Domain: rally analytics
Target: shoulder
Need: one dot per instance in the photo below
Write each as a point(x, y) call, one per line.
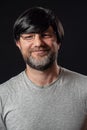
point(74, 80)
point(74, 76)
point(11, 88)
point(12, 82)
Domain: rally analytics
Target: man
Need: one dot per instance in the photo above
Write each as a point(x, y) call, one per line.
point(45, 96)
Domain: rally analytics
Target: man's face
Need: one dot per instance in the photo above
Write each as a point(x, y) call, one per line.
point(39, 50)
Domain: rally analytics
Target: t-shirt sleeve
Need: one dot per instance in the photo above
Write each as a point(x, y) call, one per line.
point(2, 124)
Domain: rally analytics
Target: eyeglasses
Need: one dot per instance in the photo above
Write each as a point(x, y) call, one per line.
point(31, 36)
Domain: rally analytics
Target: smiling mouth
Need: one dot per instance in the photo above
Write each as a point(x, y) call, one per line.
point(40, 52)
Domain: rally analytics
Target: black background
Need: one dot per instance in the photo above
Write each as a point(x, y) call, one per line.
point(73, 53)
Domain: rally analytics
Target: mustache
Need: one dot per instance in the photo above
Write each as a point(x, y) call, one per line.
point(40, 48)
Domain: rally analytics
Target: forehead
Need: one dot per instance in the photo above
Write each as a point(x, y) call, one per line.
point(48, 30)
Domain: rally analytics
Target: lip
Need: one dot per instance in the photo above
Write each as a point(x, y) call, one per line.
point(40, 52)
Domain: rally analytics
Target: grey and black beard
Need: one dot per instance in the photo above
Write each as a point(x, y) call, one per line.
point(44, 65)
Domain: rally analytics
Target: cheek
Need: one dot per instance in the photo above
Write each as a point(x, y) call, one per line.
point(55, 46)
point(25, 51)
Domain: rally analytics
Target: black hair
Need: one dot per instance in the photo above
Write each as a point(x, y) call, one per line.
point(37, 20)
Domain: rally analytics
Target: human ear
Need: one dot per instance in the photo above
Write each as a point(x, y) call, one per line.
point(18, 44)
point(59, 44)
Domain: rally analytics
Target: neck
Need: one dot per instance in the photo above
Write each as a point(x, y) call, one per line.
point(43, 78)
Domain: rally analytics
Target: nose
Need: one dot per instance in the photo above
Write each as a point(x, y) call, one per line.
point(38, 40)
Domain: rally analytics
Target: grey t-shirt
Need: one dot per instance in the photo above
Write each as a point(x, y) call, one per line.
point(59, 106)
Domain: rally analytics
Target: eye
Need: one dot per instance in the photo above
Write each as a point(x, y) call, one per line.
point(46, 35)
point(29, 37)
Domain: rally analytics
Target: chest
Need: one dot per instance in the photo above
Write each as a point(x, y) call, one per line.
point(50, 112)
